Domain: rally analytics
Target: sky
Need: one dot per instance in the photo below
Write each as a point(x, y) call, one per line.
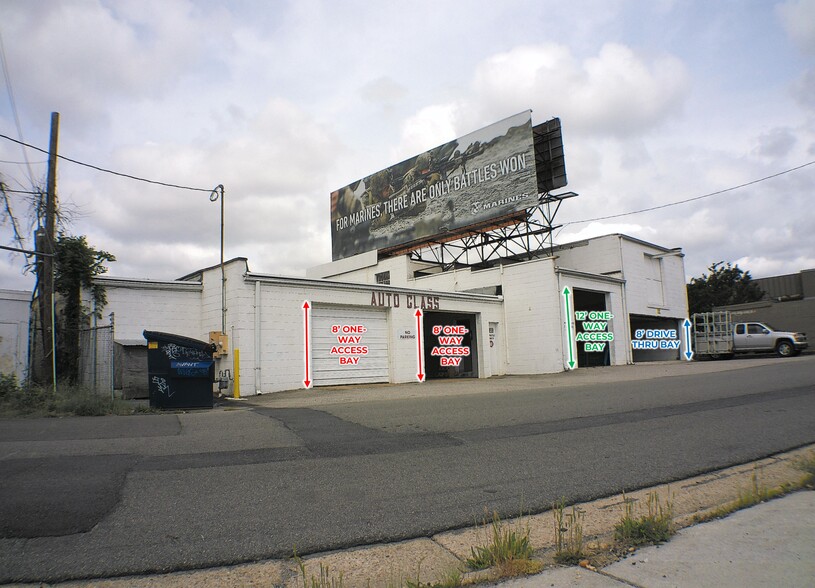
point(282, 102)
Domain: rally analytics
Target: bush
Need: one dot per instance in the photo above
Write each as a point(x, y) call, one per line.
point(40, 401)
point(656, 526)
point(507, 545)
point(8, 386)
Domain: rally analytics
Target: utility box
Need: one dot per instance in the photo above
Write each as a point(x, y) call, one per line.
point(221, 342)
point(180, 371)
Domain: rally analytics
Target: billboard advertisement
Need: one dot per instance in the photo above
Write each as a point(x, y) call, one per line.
point(489, 174)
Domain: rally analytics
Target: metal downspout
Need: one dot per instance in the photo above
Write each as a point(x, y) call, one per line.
point(257, 337)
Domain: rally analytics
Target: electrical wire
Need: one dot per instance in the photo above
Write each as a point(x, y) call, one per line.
point(716, 193)
point(9, 190)
point(27, 251)
point(109, 171)
point(23, 162)
point(7, 76)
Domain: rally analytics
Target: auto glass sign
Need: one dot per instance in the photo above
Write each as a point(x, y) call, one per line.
point(485, 175)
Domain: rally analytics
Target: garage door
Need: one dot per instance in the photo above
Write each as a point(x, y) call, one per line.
point(640, 322)
point(350, 346)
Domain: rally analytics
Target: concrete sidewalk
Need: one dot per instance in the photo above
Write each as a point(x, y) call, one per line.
point(772, 544)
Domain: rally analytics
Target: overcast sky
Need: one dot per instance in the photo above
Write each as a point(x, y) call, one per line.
point(284, 101)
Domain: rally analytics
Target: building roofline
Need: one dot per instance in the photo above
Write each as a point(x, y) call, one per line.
point(321, 283)
point(588, 275)
point(200, 272)
point(21, 295)
point(146, 284)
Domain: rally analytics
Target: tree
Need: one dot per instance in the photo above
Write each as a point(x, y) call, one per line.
point(726, 284)
point(77, 264)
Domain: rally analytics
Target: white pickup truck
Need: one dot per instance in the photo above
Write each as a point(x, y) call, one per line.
point(716, 336)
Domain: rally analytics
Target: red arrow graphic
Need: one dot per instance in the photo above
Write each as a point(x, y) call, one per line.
point(306, 306)
point(420, 352)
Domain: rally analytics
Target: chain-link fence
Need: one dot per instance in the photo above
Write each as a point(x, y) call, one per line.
point(96, 360)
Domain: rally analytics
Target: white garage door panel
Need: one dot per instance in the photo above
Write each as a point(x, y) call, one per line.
point(372, 367)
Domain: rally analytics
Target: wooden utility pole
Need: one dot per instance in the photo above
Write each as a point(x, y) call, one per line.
point(47, 245)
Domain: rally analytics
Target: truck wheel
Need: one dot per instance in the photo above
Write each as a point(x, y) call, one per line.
point(784, 349)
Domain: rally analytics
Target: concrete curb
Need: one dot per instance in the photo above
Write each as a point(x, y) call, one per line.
point(428, 560)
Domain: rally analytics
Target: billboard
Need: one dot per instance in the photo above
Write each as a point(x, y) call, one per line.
point(487, 175)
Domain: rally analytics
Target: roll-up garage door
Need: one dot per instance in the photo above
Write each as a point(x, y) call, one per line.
point(350, 346)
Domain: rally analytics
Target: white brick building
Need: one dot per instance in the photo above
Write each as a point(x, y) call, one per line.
point(510, 318)
point(14, 313)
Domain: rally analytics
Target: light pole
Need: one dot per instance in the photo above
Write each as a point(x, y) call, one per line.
point(218, 192)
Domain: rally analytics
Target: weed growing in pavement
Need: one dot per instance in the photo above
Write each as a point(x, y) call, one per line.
point(325, 580)
point(452, 579)
point(568, 534)
point(509, 550)
point(656, 526)
point(756, 494)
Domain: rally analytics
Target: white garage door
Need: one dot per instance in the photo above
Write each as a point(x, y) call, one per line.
point(350, 346)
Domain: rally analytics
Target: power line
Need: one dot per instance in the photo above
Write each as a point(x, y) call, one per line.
point(21, 191)
point(7, 76)
point(21, 162)
point(27, 251)
point(716, 193)
point(109, 171)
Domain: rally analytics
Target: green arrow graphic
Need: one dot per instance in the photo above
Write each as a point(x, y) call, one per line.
point(566, 293)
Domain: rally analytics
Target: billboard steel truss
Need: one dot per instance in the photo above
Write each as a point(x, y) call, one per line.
point(518, 238)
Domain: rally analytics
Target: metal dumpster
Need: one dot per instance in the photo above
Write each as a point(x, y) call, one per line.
point(180, 371)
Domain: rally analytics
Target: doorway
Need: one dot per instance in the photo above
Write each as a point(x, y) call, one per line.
point(588, 353)
point(449, 345)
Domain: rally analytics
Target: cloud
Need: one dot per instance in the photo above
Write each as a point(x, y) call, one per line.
point(78, 56)
point(776, 143)
point(798, 19)
point(283, 102)
point(617, 93)
point(383, 91)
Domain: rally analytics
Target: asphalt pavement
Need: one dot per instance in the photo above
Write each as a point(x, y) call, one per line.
point(335, 468)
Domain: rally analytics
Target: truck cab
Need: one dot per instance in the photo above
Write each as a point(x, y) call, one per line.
point(762, 337)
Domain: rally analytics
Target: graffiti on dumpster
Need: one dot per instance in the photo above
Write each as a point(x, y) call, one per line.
point(163, 386)
point(174, 351)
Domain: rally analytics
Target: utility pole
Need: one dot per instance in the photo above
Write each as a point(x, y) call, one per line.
point(46, 244)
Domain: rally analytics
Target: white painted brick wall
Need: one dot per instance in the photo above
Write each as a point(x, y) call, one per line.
point(675, 302)
point(597, 256)
point(14, 313)
point(533, 323)
point(153, 309)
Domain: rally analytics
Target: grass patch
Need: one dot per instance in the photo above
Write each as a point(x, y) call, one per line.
point(452, 579)
point(43, 401)
point(755, 494)
point(568, 534)
point(655, 526)
point(807, 465)
point(508, 550)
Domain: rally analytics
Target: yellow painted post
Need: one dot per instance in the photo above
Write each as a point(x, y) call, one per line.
point(236, 369)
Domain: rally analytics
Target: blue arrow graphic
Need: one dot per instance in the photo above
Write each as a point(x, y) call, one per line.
point(688, 350)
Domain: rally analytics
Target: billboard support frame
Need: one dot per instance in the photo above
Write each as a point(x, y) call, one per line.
point(522, 240)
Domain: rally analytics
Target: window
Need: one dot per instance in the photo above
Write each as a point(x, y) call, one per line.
point(383, 278)
point(739, 329)
point(755, 329)
point(653, 279)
